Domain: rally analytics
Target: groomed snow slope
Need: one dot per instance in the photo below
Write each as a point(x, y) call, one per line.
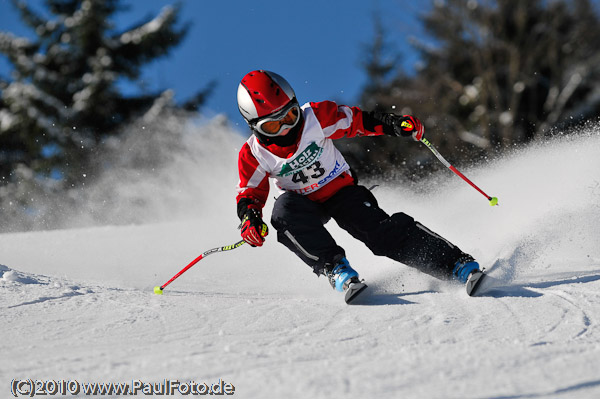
point(77, 304)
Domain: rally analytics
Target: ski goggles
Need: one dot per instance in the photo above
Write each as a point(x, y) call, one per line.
point(273, 125)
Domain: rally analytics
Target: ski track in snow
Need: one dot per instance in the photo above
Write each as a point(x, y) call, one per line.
point(78, 304)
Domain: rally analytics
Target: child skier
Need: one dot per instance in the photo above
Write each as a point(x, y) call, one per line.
point(293, 145)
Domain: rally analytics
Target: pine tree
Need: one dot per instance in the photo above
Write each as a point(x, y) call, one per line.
point(374, 156)
point(379, 66)
point(513, 70)
point(63, 100)
point(501, 73)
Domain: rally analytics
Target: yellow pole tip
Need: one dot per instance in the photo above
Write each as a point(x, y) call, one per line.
point(494, 201)
point(157, 290)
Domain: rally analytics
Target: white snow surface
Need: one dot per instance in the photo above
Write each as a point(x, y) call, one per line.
point(78, 304)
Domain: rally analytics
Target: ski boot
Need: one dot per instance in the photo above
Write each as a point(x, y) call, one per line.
point(466, 270)
point(344, 278)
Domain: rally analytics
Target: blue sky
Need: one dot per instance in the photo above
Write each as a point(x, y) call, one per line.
point(316, 44)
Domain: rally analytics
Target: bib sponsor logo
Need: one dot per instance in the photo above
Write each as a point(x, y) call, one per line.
point(304, 159)
point(331, 175)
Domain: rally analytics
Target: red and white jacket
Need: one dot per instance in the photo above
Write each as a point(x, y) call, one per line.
point(312, 166)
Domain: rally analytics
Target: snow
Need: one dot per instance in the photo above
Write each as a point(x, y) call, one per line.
point(22, 95)
point(77, 303)
point(150, 27)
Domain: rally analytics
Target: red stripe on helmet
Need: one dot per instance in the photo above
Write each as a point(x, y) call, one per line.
point(266, 92)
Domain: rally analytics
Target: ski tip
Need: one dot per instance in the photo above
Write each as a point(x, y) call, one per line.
point(353, 291)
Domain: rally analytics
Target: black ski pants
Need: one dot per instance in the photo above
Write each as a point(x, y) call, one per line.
point(300, 227)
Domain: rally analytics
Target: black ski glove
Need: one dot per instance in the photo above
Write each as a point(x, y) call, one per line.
point(395, 125)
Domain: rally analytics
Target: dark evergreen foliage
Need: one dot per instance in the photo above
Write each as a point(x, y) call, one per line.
point(62, 100)
point(495, 74)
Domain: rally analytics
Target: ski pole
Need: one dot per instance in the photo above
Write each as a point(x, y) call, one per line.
point(159, 290)
point(493, 200)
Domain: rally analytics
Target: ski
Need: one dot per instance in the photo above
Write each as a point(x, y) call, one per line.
point(354, 289)
point(474, 283)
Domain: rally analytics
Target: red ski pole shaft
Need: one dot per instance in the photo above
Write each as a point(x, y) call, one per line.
point(159, 289)
point(493, 200)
